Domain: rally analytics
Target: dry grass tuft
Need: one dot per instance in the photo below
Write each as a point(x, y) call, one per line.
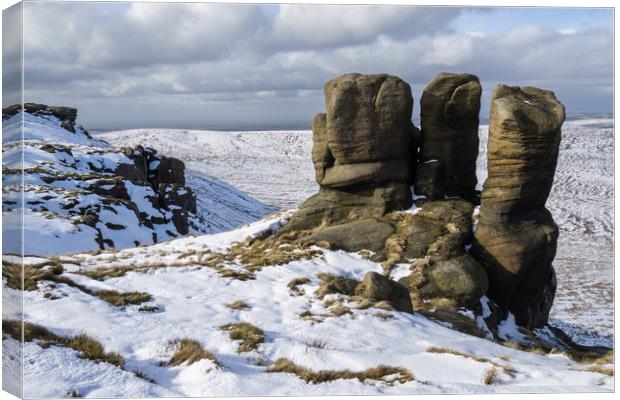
point(294, 284)
point(307, 315)
point(93, 350)
point(338, 310)
point(253, 254)
point(387, 374)
point(249, 335)
point(144, 376)
point(335, 284)
point(490, 376)
point(189, 351)
point(314, 342)
point(35, 273)
point(394, 250)
point(122, 299)
point(383, 315)
point(444, 350)
point(238, 305)
point(600, 369)
point(88, 347)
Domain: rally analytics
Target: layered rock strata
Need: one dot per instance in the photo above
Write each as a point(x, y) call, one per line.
point(363, 151)
point(516, 237)
point(450, 105)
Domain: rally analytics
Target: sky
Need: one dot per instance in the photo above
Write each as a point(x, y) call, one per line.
point(227, 66)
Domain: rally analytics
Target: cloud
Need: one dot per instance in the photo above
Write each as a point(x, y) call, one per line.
point(271, 61)
point(329, 26)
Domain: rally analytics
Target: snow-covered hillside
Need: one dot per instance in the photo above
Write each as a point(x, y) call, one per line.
point(240, 312)
point(83, 194)
point(187, 323)
point(275, 167)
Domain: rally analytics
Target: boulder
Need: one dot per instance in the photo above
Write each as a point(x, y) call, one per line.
point(365, 234)
point(524, 140)
point(165, 170)
point(437, 236)
point(376, 287)
point(434, 221)
point(331, 206)
point(516, 237)
point(363, 151)
point(462, 279)
point(366, 133)
point(138, 170)
point(450, 105)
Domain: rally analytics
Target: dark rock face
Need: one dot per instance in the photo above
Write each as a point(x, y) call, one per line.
point(145, 169)
point(362, 151)
point(437, 236)
point(181, 201)
point(330, 206)
point(369, 234)
point(450, 105)
point(376, 287)
point(66, 115)
point(166, 170)
point(516, 237)
point(459, 278)
point(366, 153)
point(366, 133)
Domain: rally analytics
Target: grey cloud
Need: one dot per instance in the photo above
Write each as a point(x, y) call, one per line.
point(250, 63)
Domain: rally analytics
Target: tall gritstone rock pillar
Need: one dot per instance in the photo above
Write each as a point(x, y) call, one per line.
point(450, 105)
point(516, 237)
point(363, 151)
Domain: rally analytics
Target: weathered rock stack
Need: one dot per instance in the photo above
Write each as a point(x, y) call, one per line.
point(516, 236)
point(362, 151)
point(450, 105)
point(366, 153)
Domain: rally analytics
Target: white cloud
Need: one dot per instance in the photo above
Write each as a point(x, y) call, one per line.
point(567, 31)
point(236, 56)
point(449, 50)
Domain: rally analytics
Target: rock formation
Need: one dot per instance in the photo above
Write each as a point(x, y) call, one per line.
point(450, 105)
point(363, 151)
point(144, 191)
point(516, 237)
point(436, 237)
point(166, 175)
point(66, 115)
point(366, 152)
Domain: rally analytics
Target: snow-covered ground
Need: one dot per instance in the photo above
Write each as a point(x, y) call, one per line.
point(272, 166)
point(189, 297)
point(67, 176)
point(191, 303)
point(275, 167)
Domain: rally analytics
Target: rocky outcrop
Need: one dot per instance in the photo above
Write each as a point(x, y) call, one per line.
point(516, 237)
point(366, 153)
point(167, 177)
point(450, 105)
point(437, 236)
point(362, 151)
point(376, 287)
point(365, 136)
point(109, 190)
point(66, 115)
